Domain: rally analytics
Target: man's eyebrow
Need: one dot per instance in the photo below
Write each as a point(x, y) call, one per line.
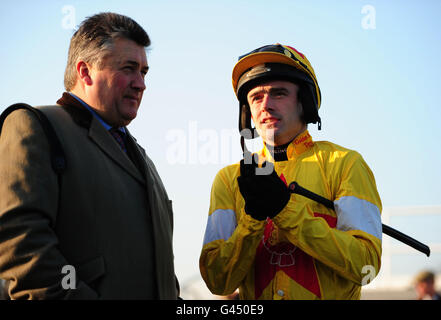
point(271, 90)
point(136, 64)
point(255, 93)
point(279, 90)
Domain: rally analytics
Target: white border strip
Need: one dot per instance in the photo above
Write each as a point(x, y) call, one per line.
point(357, 214)
point(220, 225)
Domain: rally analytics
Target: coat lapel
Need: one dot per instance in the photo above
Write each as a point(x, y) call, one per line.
point(99, 135)
point(142, 163)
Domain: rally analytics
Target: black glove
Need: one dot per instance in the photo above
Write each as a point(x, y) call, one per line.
point(264, 192)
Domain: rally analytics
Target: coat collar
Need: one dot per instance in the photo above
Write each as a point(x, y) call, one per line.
point(79, 114)
point(101, 137)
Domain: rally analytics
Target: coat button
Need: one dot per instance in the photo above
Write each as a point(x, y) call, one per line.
point(280, 293)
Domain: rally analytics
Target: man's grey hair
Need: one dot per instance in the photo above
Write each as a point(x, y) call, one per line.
point(94, 39)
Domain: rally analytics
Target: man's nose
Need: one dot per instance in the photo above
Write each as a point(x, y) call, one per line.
point(139, 82)
point(267, 103)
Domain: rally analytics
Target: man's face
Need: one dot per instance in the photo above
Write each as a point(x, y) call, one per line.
point(117, 88)
point(276, 111)
point(425, 288)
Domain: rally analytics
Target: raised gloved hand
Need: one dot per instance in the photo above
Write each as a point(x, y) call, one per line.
point(264, 192)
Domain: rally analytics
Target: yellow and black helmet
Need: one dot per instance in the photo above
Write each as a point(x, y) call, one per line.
point(276, 62)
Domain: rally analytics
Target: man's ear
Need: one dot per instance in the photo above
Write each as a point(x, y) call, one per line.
point(300, 108)
point(83, 73)
point(301, 111)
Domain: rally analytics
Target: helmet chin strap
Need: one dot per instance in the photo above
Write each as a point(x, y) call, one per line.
point(243, 145)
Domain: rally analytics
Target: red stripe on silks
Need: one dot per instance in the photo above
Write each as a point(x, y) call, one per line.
point(264, 271)
point(282, 177)
point(304, 273)
point(332, 221)
point(284, 256)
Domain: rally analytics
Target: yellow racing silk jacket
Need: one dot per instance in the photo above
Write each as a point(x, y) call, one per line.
point(307, 251)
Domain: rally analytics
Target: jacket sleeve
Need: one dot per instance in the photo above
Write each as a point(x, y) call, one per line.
point(353, 248)
point(230, 240)
point(29, 257)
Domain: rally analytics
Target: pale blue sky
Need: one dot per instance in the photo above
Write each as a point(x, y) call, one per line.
point(379, 86)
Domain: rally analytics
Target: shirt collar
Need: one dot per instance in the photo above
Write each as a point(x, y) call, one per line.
point(300, 144)
point(95, 114)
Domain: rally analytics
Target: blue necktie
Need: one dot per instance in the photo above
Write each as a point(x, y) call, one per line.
point(119, 137)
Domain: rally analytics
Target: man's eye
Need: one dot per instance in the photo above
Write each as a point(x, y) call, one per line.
point(256, 98)
point(279, 94)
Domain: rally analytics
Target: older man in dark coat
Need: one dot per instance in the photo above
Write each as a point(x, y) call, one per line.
point(103, 229)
